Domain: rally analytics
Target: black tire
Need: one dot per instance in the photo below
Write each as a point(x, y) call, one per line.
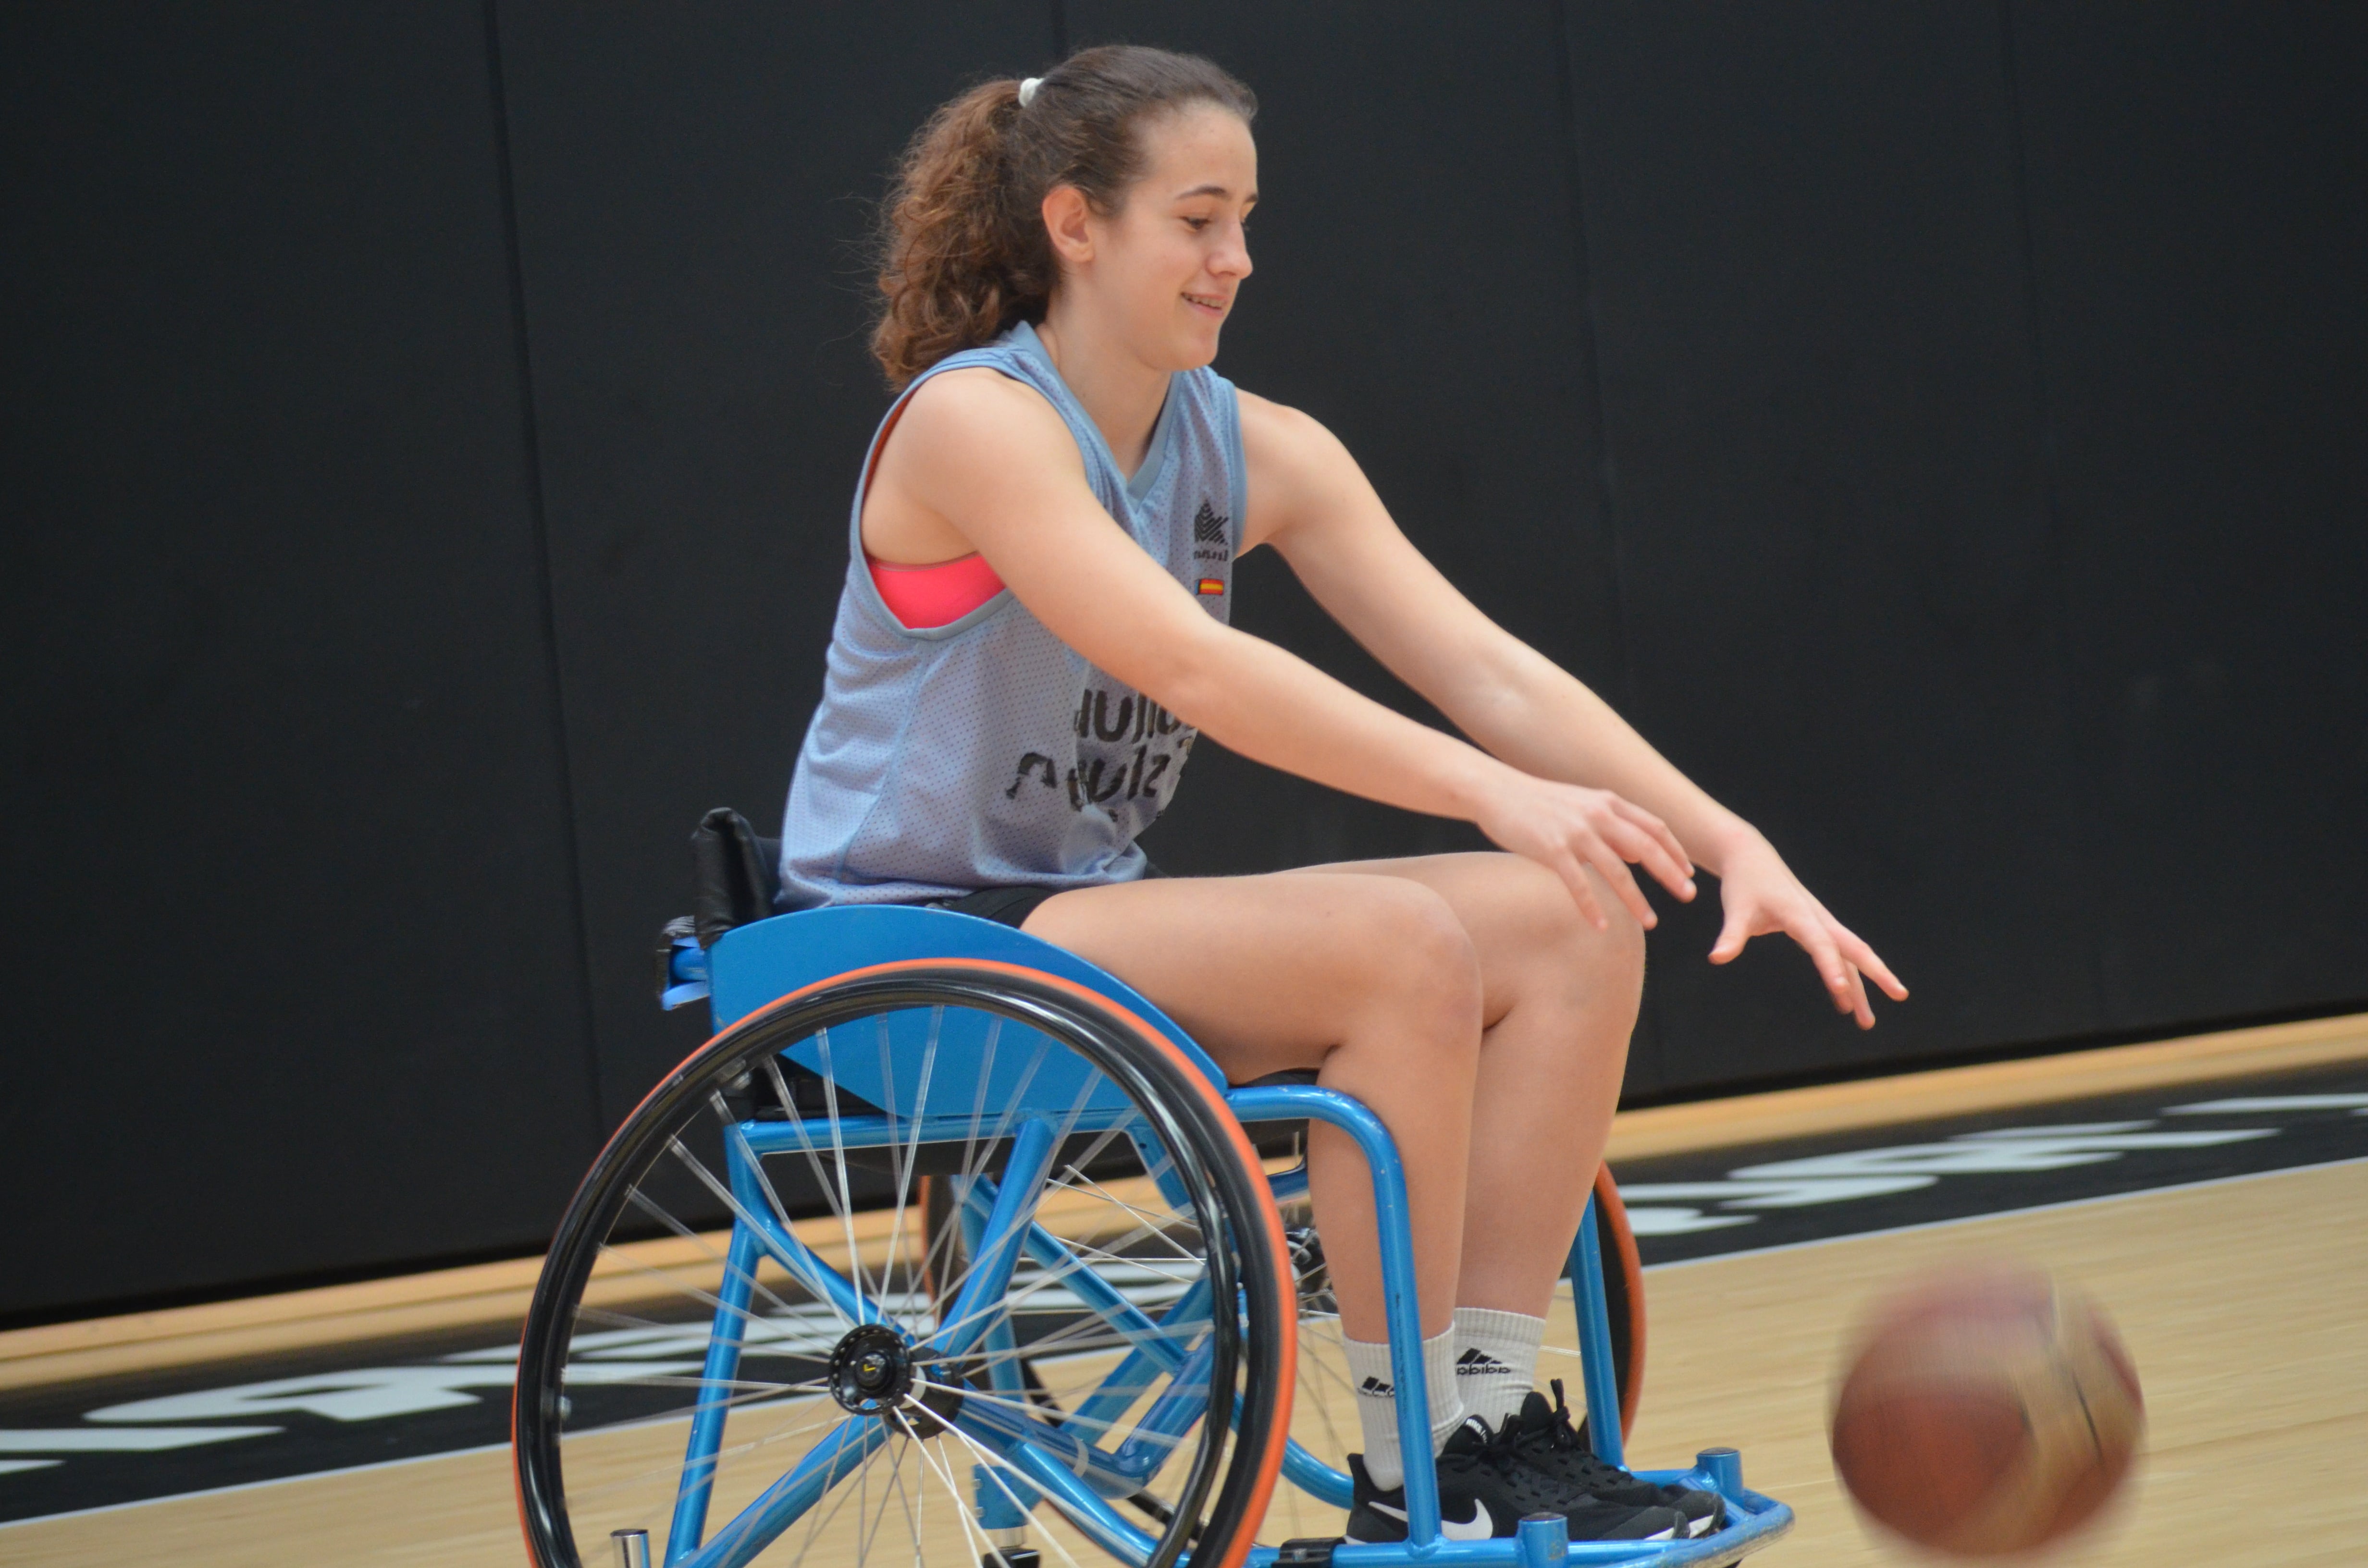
point(639, 1214)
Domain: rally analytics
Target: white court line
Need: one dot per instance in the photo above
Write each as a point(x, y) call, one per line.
point(366, 1469)
point(1650, 1269)
point(2008, 1213)
point(256, 1485)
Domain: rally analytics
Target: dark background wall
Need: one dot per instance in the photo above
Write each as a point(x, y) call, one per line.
point(428, 431)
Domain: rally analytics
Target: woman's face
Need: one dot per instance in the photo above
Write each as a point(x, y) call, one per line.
point(1161, 273)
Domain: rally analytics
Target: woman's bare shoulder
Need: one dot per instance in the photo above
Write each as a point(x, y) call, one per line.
point(1297, 467)
point(965, 446)
point(977, 406)
point(1267, 417)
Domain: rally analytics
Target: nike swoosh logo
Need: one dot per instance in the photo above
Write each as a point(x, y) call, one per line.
point(1481, 1525)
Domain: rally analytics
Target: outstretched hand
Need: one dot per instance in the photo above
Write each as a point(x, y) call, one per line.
point(1568, 827)
point(1762, 896)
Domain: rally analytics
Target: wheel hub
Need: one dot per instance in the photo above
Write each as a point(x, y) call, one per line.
point(872, 1372)
point(871, 1369)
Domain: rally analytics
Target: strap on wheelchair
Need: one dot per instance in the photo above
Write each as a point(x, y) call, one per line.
point(736, 875)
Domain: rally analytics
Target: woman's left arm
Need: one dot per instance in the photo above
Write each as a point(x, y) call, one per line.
point(1311, 502)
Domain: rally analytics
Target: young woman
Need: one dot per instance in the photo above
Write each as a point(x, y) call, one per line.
point(1033, 632)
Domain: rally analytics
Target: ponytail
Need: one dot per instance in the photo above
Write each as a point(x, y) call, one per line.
point(962, 250)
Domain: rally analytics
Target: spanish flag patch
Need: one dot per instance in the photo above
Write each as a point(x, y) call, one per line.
point(1211, 587)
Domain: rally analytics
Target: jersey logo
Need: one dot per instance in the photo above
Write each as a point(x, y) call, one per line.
point(1208, 528)
point(1211, 587)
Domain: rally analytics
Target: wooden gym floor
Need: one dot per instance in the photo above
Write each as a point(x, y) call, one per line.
point(2244, 1302)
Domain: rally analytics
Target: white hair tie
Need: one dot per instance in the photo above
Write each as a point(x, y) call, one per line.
point(1027, 90)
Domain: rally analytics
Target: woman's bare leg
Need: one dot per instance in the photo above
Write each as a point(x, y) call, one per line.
point(1559, 1000)
point(1371, 980)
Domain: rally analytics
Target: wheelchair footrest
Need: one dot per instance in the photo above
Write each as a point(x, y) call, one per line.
point(1308, 1552)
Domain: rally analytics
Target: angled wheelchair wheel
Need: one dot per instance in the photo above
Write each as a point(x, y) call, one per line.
point(750, 1342)
point(1315, 1499)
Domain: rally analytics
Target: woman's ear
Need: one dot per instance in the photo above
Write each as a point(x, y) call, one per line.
point(1066, 212)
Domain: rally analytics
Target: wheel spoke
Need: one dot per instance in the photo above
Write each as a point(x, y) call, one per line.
point(995, 1467)
point(822, 1522)
point(961, 1505)
point(1150, 1224)
point(1143, 1231)
point(676, 1468)
point(903, 1155)
point(740, 1212)
point(1033, 1411)
point(903, 1498)
point(838, 1156)
point(649, 1206)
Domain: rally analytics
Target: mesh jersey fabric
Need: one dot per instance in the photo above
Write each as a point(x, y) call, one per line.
point(984, 753)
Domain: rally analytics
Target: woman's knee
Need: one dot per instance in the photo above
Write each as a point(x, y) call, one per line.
point(1420, 974)
point(1618, 949)
point(1566, 946)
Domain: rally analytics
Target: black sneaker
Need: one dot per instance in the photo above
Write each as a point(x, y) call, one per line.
point(1485, 1490)
point(1548, 1443)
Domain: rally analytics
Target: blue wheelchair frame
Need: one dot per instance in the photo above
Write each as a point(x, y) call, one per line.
point(752, 966)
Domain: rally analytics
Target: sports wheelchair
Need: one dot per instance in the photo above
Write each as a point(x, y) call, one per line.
point(951, 1248)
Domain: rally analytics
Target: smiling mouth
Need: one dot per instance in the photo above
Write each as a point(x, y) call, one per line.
point(1210, 303)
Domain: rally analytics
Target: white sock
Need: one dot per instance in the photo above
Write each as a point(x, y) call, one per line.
point(1496, 1361)
point(1377, 1401)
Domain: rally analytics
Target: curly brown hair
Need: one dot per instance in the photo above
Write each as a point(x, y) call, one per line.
point(962, 249)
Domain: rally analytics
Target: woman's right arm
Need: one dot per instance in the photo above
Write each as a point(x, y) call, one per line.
point(991, 460)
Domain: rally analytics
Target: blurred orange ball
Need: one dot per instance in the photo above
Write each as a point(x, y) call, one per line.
point(1986, 1409)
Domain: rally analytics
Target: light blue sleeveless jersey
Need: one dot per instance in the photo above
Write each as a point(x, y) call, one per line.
point(984, 753)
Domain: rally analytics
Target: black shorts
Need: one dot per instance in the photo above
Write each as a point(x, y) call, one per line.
point(1005, 906)
point(1012, 905)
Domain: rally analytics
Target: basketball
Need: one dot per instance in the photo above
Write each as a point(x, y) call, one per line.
point(1986, 1410)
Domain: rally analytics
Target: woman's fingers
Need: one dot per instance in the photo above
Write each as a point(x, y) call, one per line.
point(1634, 843)
point(1616, 875)
point(1658, 831)
point(1844, 961)
point(1736, 932)
point(1860, 1008)
point(1859, 954)
point(1732, 939)
point(1573, 877)
point(1811, 933)
point(1842, 977)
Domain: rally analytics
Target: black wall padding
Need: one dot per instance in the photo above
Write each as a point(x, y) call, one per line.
point(430, 432)
point(2200, 241)
point(1836, 555)
point(296, 985)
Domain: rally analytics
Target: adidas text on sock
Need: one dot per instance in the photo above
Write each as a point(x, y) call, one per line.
point(1377, 1402)
point(1496, 1360)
